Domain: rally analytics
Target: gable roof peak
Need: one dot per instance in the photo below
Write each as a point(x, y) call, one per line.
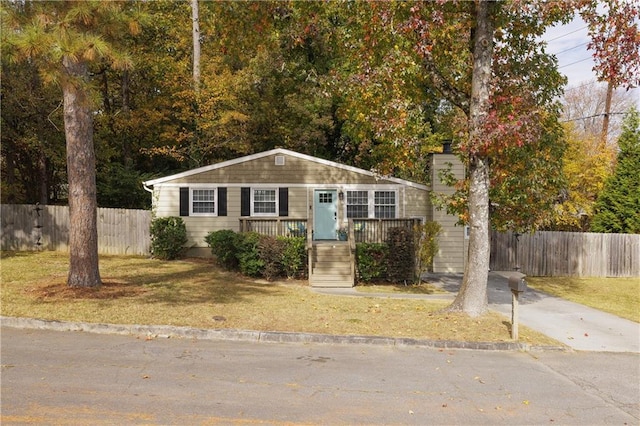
point(281, 151)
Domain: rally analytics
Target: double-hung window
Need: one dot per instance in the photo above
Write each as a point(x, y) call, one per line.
point(385, 204)
point(357, 204)
point(264, 202)
point(203, 202)
point(372, 204)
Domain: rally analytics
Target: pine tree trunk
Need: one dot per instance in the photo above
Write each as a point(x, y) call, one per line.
point(81, 172)
point(43, 196)
point(127, 156)
point(472, 297)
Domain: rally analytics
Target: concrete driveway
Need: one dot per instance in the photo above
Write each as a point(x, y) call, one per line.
point(578, 326)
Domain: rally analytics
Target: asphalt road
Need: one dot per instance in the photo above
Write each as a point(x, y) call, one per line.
point(51, 377)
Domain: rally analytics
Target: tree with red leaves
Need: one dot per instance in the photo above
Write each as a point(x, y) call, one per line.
point(615, 41)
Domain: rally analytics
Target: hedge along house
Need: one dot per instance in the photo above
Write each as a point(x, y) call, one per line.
point(281, 192)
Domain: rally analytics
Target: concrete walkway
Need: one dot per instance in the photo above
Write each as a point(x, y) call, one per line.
point(578, 326)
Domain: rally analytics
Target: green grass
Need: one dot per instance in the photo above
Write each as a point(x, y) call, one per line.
point(196, 293)
point(618, 296)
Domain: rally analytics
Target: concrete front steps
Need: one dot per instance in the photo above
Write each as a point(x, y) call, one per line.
point(331, 265)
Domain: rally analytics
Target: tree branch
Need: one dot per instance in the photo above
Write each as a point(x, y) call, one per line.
point(440, 83)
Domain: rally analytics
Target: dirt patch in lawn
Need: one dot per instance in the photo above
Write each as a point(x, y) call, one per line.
point(111, 289)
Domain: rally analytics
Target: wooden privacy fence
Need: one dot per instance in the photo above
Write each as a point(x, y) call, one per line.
point(32, 227)
point(567, 254)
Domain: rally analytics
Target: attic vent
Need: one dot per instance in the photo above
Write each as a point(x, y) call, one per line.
point(279, 160)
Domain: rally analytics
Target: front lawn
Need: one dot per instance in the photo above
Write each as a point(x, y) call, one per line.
point(197, 293)
point(618, 296)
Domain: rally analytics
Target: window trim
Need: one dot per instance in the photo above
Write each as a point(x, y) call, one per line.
point(346, 203)
point(371, 205)
point(215, 201)
point(395, 203)
point(276, 201)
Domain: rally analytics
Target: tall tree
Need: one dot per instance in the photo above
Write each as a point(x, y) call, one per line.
point(618, 206)
point(472, 297)
point(587, 162)
point(615, 36)
point(63, 39)
point(32, 137)
point(195, 18)
point(484, 58)
point(586, 166)
point(584, 107)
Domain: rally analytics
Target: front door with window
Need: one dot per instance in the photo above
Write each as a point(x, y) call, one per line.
point(325, 216)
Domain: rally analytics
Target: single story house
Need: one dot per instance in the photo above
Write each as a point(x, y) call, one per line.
point(284, 192)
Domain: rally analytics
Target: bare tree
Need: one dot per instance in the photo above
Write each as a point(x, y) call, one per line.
point(585, 106)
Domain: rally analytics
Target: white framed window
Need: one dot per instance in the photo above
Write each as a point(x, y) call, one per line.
point(384, 204)
point(372, 204)
point(357, 204)
point(203, 202)
point(264, 202)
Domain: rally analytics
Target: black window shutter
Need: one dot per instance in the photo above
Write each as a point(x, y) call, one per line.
point(184, 201)
point(245, 201)
point(283, 202)
point(222, 201)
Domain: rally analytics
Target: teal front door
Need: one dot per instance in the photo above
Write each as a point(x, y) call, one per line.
point(325, 216)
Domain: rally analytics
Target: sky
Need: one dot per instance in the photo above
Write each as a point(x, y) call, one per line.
point(569, 44)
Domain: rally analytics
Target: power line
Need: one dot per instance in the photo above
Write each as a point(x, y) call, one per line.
point(566, 34)
point(576, 62)
point(571, 48)
point(593, 116)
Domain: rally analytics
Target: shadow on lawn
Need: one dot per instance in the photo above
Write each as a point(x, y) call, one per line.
point(7, 254)
point(201, 284)
point(182, 283)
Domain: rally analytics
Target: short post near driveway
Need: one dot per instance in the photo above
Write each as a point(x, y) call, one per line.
point(518, 285)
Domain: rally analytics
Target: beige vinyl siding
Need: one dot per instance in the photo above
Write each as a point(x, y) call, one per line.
point(414, 202)
point(298, 203)
point(167, 203)
point(265, 171)
point(452, 246)
point(302, 176)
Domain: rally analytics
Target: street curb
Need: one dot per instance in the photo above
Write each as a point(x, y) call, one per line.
point(169, 331)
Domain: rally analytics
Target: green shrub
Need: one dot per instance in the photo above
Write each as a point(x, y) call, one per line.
point(168, 237)
point(249, 255)
point(224, 246)
point(371, 260)
point(258, 255)
point(270, 250)
point(294, 257)
point(426, 245)
point(400, 258)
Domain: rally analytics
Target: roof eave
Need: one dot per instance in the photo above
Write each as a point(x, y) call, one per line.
point(275, 151)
